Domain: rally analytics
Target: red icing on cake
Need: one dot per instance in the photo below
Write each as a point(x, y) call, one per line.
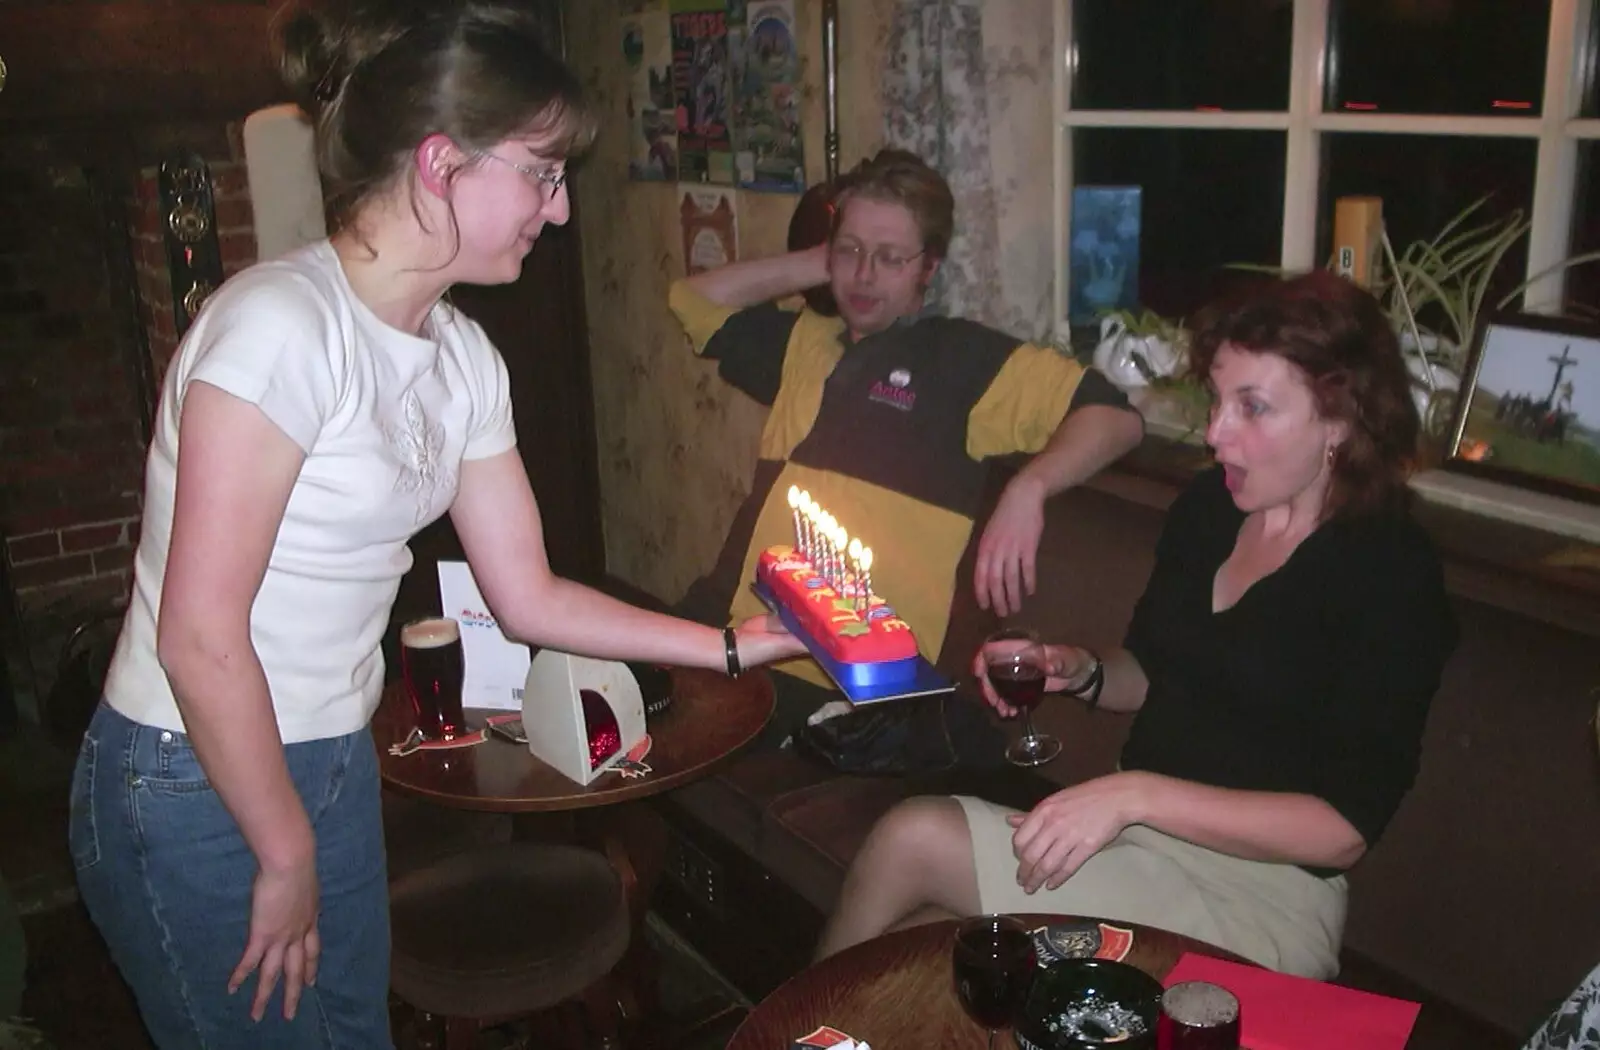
point(833, 618)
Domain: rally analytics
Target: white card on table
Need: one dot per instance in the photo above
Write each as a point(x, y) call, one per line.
point(496, 667)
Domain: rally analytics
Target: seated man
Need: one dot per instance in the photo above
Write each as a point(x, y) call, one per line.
point(886, 415)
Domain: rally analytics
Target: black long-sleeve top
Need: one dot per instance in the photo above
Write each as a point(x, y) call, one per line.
point(1316, 681)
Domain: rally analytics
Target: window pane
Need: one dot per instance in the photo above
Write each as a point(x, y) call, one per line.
point(1425, 181)
point(1210, 198)
point(1474, 57)
point(1188, 54)
point(1583, 282)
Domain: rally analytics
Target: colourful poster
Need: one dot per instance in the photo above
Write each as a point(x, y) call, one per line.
point(710, 227)
point(700, 80)
point(765, 53)
point(652, 108)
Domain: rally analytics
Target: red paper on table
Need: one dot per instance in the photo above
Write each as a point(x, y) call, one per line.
point(1281, 1012)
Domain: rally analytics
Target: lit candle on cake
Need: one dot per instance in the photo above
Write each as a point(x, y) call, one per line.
point(794, 509)
point(811, 511)
point(855, 571)
point(841, 540)
point(866, 575)
point(827, 526)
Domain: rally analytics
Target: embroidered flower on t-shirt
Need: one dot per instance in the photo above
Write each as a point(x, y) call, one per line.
point(420, 445)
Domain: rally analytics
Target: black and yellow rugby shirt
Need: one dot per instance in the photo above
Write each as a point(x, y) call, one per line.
point(889, 434)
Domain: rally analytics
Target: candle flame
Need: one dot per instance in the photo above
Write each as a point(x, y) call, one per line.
point(855, 549)
point(866, 558)
point(794, 496)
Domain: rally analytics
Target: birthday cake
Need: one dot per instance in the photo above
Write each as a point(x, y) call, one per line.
point(838, 611)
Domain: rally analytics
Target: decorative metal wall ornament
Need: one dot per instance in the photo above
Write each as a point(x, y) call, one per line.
point(194, 256)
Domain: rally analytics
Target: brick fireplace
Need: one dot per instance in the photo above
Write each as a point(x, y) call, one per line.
point(87, 328)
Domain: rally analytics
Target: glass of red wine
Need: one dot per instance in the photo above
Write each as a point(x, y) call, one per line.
point(994, 964)
point(1016, 664)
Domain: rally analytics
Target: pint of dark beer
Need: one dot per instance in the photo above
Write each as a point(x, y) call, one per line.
point(431, 661)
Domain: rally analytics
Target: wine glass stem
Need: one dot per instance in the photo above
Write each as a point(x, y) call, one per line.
point(991, 1039)
point(1027, 726)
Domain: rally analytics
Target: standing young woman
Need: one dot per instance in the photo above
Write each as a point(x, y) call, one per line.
point(324, 408)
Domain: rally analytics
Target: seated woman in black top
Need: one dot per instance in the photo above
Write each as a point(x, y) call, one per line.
point(1281, 662)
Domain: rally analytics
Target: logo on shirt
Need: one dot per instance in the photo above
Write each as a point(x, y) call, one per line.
point(420, 446)
point(896, 392)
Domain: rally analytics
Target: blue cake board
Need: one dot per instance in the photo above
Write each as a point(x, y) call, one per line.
point(927, 681)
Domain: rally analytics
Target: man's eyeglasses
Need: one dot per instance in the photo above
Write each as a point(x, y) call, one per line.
point(851, 254)
point(549, 181)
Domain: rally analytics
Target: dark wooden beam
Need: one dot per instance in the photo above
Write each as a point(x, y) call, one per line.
point(103, 63)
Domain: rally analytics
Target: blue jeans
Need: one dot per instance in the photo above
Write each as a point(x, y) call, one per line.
point(167, 878)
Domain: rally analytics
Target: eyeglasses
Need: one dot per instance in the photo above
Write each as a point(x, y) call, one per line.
point(851, 254)
point(549, 181)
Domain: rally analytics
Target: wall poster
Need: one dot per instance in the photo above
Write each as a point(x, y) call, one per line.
point(700, 67)
point(710, 227)
point(652, 103)
point(765, 56)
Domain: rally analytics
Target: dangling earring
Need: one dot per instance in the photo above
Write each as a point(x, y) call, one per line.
point(1333, 450)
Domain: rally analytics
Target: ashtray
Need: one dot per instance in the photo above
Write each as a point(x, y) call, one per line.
point(1085, 1004)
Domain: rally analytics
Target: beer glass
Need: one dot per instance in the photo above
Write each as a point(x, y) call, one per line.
point(432, 664)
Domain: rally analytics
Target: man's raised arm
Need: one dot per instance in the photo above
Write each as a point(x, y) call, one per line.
point(743, 284)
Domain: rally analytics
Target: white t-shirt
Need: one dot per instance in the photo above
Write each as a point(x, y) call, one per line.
point(385, 420)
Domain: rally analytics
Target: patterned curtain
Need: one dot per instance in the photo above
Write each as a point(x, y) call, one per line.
point(967, 87)
point(1575, 1025)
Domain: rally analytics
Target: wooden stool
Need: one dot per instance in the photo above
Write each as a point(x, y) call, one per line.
point(507, 930)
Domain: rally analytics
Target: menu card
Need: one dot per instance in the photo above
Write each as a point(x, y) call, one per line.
point(496, 667)
point(1280, 1012)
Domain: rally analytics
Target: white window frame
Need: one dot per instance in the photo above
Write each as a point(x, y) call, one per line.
point(1556, 130)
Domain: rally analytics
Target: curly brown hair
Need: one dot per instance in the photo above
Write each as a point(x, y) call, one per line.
point(1336, 334)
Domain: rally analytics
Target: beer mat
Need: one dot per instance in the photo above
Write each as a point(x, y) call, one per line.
point(415, 742)
point(1081, 940)
point(507, 726)
point(825, 1038)
point(632, 766)
point(1280, 1012)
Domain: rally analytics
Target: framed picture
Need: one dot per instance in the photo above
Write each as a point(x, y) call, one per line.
point(1529, 408)
point(1103, 252)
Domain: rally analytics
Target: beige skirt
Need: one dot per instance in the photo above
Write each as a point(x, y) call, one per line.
point(1278, 915)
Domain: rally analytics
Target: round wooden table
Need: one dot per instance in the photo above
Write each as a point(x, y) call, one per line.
point(898, 990)
point(711, 717)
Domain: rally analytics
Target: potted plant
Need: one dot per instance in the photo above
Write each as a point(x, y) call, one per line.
point(1434, 293)
point(1448, 277)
